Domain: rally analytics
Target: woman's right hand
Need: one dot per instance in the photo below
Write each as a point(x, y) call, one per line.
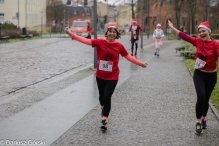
point(67, 30)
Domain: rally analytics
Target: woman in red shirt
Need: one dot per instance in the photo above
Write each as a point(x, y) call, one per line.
point(107, 73)
point(205, 75)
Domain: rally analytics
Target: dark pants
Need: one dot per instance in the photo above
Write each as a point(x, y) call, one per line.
point(204, 85)
point(106, 89)
point(136, 45)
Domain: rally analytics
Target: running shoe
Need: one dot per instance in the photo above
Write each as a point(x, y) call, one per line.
point(198, 128)
point(135, 53)
point(204, 125)
point(132, 54)
point(155, 53)
point(103, 126)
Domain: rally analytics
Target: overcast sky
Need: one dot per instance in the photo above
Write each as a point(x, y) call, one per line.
point(116, 1)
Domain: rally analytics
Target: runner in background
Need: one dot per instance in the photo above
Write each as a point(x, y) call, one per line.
point(107, 73)
point(135, 30)
point(158, 34)
point(205, 75)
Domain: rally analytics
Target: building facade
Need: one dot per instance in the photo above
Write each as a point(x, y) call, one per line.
point(153, 19)
point(124, 15)
point(75, 12)
point(32, 13)
point(104, 10)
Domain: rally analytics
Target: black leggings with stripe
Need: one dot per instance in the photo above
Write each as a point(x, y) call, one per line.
point(204, 85)
point(106, 89)
point(136, 45)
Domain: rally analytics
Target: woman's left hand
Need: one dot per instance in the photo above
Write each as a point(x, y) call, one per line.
point(144, 65)
point(67, 30)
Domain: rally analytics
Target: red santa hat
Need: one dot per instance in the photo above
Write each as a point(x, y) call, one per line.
point(205, 25)
point(134, 21)
point(112, 25)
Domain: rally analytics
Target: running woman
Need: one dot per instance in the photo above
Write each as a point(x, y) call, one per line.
point(135, 29)
point(158, 34)
point(107, 73)
point(205, 75)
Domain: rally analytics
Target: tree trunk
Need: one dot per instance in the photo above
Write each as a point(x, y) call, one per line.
point(133, 13)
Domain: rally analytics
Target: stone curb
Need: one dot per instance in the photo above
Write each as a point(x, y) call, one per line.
point(215, 111)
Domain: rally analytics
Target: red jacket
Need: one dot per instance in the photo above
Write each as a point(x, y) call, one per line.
point(136, 35)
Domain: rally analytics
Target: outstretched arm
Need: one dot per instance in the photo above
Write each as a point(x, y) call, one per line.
point(181, 34)
point(173, 28)
point(135, 61)
point(78, 38)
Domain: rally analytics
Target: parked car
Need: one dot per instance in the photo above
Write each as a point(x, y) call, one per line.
point(122, 30)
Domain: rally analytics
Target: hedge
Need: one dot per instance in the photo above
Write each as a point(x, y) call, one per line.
point(187, 50)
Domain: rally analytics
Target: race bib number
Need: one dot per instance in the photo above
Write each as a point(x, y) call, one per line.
point(199, 63)
point(106, 65)
point(136, 41)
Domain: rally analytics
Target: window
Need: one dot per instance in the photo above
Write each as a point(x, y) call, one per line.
point(184, 23)
point(2, 1)
point(75, 12)
point(80, 24)
point(2, 18)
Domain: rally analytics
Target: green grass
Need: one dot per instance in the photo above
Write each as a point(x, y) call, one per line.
point(215, 94)
point(32, 38)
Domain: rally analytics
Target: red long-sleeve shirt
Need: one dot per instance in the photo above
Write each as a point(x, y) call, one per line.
point(207, 51)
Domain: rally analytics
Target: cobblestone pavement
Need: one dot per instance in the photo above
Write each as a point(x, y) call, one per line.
point(25, 97)
point(154, 107)
point(27, 63)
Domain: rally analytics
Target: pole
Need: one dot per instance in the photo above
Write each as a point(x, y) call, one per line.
point(26, 12)
point(207, 10)
point(168, 19)
point(41, 26)
point(133, 11)
point(153, 16)
point(160, 10)
point(18, 16)
point(148, 19)
point(64, 18)
point(95, 32)
point(141, 24)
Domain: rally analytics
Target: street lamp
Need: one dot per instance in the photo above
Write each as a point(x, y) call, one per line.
point(153, 15)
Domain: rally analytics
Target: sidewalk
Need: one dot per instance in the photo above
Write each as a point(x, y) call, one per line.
point(152, 106)
point(155, 106)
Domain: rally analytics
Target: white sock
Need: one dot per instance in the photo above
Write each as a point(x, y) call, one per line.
point(199, 120)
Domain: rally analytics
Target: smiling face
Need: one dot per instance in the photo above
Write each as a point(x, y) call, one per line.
point(158, 27)
point(204, 34)
point(111, 34)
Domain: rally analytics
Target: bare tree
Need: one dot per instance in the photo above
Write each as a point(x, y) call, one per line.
point(178, 8)
point(214, 11)
point(122, 11)
point(55, 11)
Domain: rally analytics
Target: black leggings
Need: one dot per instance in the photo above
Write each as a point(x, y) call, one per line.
point(204, 85)
point(106, 89)
point(136, 45)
